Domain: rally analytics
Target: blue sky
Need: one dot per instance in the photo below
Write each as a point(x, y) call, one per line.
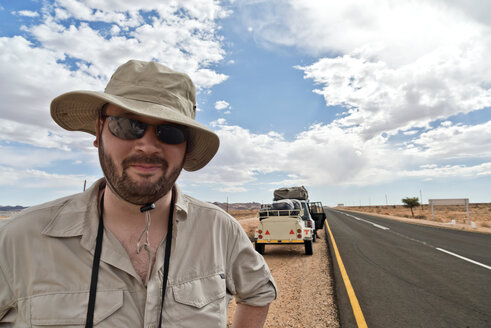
point(363, 103)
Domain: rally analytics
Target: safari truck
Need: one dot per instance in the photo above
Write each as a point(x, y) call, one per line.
point(282, 222)
point(286, 221)
point(315, 209)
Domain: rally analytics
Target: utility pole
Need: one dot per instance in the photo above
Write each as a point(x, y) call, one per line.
point(421, 198)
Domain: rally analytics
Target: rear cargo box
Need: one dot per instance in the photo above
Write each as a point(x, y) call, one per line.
point(291, 193)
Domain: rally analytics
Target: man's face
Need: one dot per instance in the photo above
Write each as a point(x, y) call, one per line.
point(142, 170)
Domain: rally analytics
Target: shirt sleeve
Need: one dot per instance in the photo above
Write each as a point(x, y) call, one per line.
point(248, 276)
point(6, 294)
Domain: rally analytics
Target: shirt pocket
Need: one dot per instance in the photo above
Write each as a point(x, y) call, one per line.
point(70, 308)
point(200, 302)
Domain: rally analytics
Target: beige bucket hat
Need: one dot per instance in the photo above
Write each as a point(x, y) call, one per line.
point(145, 88)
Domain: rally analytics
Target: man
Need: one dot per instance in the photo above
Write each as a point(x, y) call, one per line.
point(132, 250)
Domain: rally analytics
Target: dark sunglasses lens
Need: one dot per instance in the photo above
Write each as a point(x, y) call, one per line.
point(126, 128)
point(170, 134)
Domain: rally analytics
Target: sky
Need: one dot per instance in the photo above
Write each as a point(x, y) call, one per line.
point(362, 102)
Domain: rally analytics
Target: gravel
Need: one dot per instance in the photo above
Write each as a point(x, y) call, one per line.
point(305, 285)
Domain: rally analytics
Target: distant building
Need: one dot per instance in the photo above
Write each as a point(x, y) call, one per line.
point(340, 205)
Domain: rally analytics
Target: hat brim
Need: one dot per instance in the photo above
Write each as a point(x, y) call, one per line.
point(79, 110)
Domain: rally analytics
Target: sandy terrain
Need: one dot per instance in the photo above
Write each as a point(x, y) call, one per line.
point(305, 291)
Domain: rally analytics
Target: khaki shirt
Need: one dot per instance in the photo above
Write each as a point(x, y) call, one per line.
point(46, 255)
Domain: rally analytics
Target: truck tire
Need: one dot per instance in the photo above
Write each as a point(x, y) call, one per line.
point(260, 248)
point(309, 247)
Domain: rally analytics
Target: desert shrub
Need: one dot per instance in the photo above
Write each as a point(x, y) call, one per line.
point(486, 224)
point(421, 217)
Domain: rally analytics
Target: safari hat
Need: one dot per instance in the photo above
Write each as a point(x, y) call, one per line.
point(145, 88)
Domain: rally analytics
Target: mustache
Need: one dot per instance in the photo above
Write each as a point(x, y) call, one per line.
point(145, 159)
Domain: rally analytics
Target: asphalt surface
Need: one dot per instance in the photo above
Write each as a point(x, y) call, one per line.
point(404, 276)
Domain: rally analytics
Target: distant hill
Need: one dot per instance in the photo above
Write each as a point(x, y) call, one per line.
point(238, 206)
point(11, 208)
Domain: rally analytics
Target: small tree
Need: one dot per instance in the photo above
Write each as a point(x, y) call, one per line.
point(411, 202)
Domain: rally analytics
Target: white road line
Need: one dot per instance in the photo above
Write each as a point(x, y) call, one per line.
point(464, 258)
point(374, 224)
point(422, 242)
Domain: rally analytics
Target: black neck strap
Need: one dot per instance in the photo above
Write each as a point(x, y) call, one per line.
point(89, 322)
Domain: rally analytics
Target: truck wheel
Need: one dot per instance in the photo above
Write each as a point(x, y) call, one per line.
point(260, 248)
point(309, 247)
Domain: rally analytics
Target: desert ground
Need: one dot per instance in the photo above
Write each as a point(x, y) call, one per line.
point(305, 286)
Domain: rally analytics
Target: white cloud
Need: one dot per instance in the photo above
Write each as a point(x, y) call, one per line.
point(382, 99)
point(396, 68)
point(393, 66)
point(37, 179)
point(451, 171)
point(331, 155)
point(37, 157)
point(232, 189)
point(450, 142)
point(26, 13)
point(221, 105)
point(58, 57)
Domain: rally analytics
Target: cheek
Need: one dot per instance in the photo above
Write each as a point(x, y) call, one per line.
point(114, 148)
point(176, 152)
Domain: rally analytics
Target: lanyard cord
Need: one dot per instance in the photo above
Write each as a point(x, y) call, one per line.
point(168, 243)
point(95, 269)
point(89, 322)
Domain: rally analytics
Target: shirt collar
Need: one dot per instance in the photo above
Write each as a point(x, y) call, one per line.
point(181, 204)
point(79, 215)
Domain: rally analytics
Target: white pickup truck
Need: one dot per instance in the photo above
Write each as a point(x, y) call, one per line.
point(285, 221)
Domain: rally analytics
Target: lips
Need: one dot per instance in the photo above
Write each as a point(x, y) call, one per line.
point(145, 168)
point(140, 162)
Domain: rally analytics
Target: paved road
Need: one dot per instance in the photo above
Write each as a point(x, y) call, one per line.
point(405, 275)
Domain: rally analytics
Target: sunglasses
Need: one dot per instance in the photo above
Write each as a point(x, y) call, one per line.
point(130, 129)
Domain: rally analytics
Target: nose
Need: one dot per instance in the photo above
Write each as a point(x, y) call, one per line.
point(149, 142)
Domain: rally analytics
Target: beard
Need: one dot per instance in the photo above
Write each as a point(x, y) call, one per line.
point(138, 193)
